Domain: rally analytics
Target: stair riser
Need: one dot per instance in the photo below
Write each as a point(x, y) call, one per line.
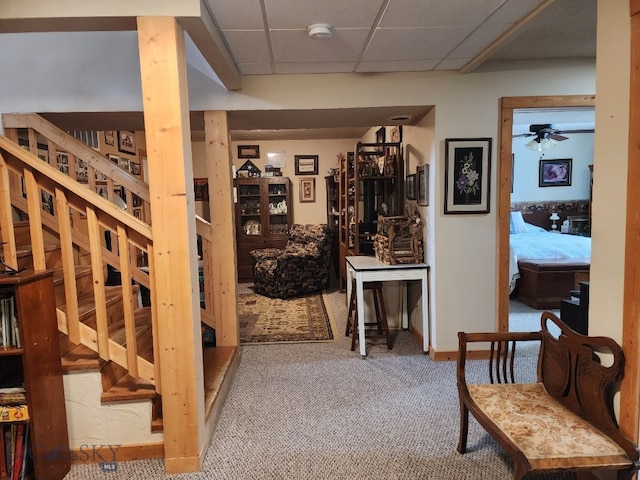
point(84, 287)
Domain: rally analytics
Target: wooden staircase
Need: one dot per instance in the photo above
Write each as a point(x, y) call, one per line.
point(103, 328)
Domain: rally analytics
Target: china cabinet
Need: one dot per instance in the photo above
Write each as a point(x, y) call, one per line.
point(263, 217)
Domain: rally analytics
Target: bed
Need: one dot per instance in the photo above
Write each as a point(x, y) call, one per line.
point(545, 266)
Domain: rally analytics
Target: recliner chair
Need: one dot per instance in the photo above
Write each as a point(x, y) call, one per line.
point(301, 267)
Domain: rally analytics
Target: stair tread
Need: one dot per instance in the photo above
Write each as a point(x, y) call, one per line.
point(129, 388)
point(81, 270)
point(81, 358)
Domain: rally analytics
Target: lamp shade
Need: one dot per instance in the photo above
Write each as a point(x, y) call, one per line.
point(554, 216)
point(539, 145)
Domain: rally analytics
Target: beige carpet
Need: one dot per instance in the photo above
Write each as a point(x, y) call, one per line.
point(272, 320)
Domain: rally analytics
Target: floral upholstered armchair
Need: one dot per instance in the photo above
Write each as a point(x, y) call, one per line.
point(299, 268)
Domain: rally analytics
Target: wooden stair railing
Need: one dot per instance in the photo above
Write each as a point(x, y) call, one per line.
point(36, 128)
point(24, 180)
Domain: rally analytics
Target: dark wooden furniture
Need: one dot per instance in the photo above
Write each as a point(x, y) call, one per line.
point(263, 217)
point(333, 207)
point(565, 421)
point(37, 366)
point(544, 284)
point(381, 323)
point(371, 184)
point(575, 313)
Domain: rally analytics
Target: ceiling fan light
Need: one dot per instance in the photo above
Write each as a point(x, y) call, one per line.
point(534, 145)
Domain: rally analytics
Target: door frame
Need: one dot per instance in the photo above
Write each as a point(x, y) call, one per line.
point(505, 172)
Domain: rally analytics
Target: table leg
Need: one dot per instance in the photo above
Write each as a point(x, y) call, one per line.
point(425, 312)
point(360, 303)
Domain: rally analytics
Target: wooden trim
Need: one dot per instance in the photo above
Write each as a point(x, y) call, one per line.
point(634, 7)
point(629, 408)
point(115, 453)
point(507, 105)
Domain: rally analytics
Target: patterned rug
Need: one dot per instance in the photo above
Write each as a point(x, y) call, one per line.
point(272, 320)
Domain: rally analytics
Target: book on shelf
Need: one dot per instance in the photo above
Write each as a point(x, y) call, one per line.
point(14, 445)
point(9, 333)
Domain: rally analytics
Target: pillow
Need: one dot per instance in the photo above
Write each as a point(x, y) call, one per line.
point(529, 228)
point(512, 229)
point(518, 222)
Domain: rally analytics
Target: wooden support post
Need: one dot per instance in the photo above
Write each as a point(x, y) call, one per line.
point(168, 145)
point(223, 256)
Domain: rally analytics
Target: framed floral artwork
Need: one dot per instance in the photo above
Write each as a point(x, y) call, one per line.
point(422, 185)
point(467, 175)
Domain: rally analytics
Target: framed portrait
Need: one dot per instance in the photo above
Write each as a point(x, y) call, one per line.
point(555, 173)
point(422, 185)
point(110, 137)
point(396, 134)
point(410, 187)
point(306, 164)
point(201, 189)
point(467, 175)
point(127, 142)
point(248, 151)
point(381, 135)
point(307, 190)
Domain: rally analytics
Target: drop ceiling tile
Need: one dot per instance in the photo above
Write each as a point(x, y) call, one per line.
point(237, 14)
point(292, 14)
point(248, 46)
point(479, 40)
point(314, 67)
point(296, 46)
point(438, 13)
point(514, 10)
point(397, 66)
point(255, 68)
point(414, 43)
point(452, 64)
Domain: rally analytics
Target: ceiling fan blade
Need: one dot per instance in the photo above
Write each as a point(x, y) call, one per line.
point(586, 130)
point(555, 136)
point(521, 135)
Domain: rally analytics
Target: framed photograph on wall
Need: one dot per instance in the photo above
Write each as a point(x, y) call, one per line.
point(467, 175)
point(307, 190)
point(248, 151)
point(306, 164)
point(555, 173)
point(410, 187)
point(422, 185)
point(127, 142)
point(201, 189)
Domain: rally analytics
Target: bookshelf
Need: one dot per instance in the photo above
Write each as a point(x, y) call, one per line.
point(32, 361)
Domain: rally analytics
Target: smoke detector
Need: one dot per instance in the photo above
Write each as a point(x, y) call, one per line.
point(320, 30)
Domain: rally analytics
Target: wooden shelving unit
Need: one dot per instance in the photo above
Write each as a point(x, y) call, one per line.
point(36, 365)
point(370, 177)
point(264, 212)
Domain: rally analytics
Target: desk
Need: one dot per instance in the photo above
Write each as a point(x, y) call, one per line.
point(370, 269)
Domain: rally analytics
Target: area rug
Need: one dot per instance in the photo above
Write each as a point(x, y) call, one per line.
point(272, 320)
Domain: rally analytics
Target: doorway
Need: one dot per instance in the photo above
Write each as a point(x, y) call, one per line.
point(505, 172)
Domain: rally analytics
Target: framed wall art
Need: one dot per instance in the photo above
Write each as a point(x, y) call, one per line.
point(306, 164)
point(248, 151)
point(410, 187)
point(127, 142)
point(201, 189)
point(307, 190)
point(422, 185)
point(555, 173)
point(467, 175)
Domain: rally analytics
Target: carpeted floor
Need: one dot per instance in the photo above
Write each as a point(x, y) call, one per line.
point(272, 320)
point(308, 411)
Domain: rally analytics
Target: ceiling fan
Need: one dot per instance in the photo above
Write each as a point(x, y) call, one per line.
point(546, 136)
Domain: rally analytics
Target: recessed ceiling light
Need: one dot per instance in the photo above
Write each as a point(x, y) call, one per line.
point(320, 30)
point(401, 118)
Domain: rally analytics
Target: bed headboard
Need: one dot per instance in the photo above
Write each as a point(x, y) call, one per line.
point(538, 213)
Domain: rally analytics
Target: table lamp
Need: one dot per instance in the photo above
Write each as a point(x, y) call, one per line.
point(554, 218)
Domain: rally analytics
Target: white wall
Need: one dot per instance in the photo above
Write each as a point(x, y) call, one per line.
point(578, 147)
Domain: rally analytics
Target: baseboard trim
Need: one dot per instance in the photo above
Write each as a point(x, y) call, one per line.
point(115, 453)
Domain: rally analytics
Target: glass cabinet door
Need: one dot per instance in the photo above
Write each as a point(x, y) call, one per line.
point(249, 208)
point(278, 208)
